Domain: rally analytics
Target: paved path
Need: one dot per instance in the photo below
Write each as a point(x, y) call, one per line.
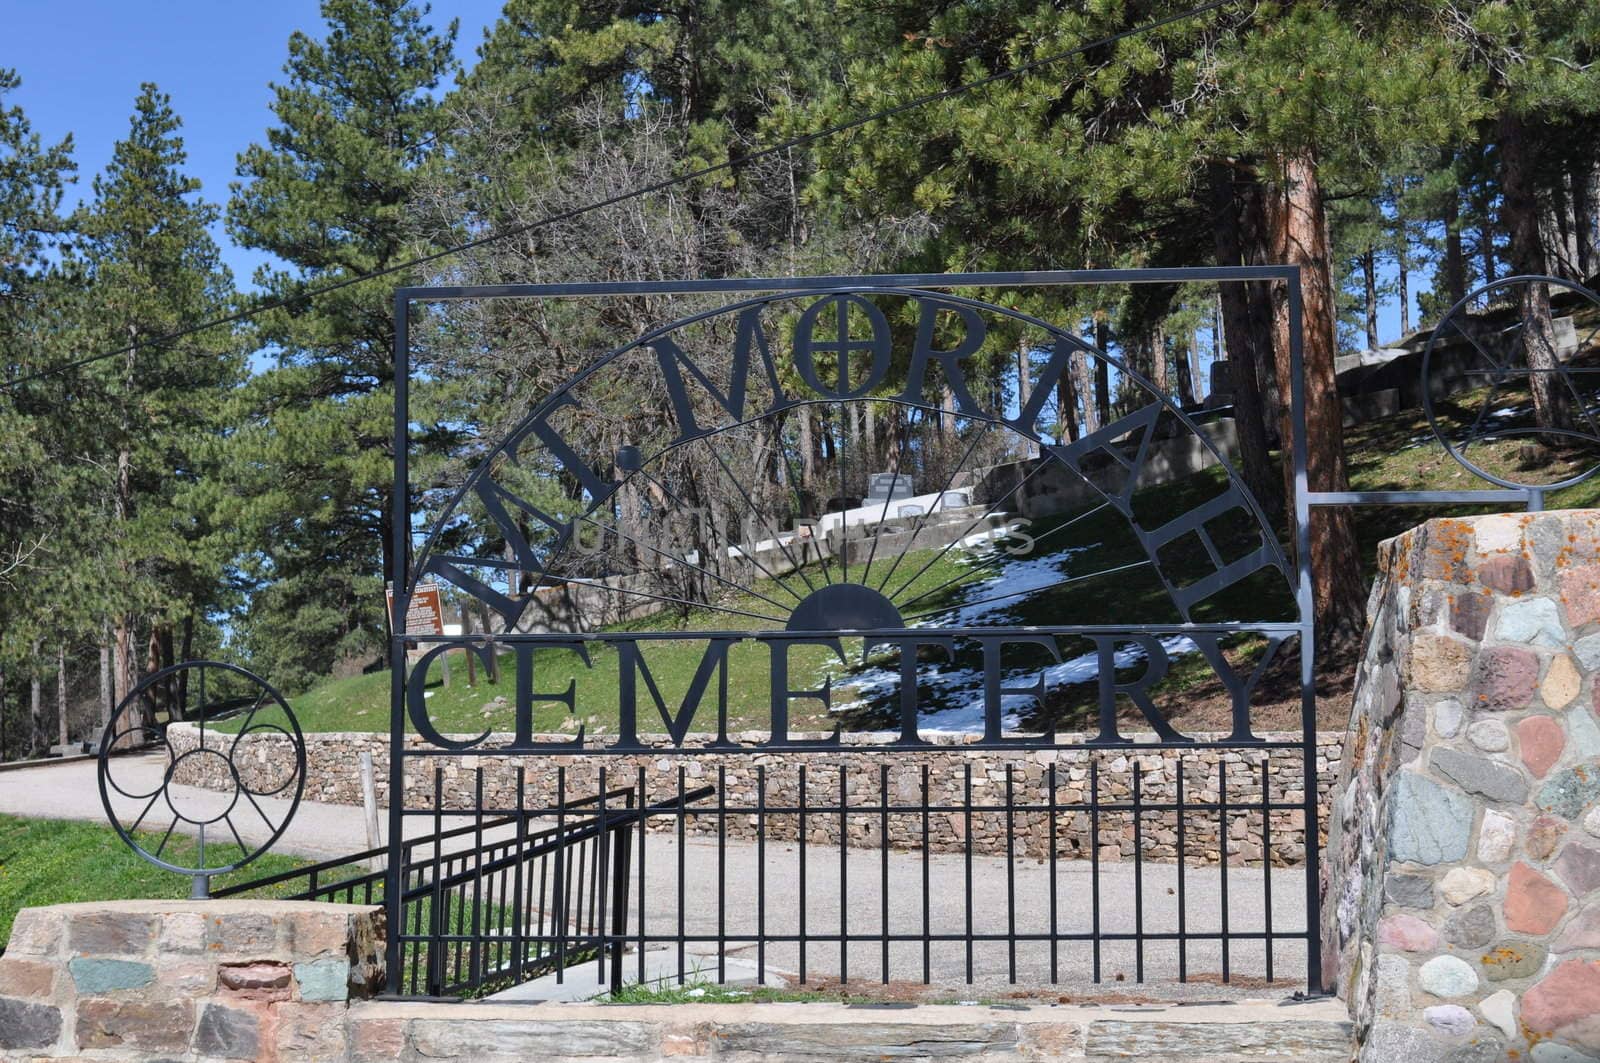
point(71, 791)
point(322, 831)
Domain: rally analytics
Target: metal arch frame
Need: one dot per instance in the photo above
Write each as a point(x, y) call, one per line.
point(1289, 276)
point(200, 876)
point(403, 571)
point(913, 285)
point(514, 438)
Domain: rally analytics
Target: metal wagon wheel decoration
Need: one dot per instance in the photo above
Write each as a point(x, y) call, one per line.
point(1491, 350)
point(248, 802)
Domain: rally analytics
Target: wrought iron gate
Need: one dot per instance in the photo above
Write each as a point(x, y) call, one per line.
point(1184, 586)
point(895, 848)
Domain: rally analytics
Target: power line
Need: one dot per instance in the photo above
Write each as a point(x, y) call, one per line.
point(644, 190)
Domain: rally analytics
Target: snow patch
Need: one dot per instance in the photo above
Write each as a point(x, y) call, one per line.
point(961, 688)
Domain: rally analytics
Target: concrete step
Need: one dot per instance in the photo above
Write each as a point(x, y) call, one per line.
point(492, 1032)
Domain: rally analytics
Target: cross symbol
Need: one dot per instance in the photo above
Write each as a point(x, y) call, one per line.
point(843, 344)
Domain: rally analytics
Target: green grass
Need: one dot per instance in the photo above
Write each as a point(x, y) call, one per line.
point(701, 992)
point(53, 861)
point(361, 703)
point(1400, 454)
point(696, 990)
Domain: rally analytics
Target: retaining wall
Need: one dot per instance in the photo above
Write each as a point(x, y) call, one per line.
point(1043, 487)
point(333, 776)
point(193, 981)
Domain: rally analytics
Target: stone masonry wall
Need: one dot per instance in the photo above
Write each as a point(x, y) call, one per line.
point(333, 776)
point(283, 982)
point(186, 980)
point(1462, 911)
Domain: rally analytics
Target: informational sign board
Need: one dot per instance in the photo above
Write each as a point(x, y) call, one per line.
point(425, 614)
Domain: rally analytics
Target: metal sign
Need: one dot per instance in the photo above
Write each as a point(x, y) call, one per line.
point(424, 611)
point(735, 374)
point(217, 786)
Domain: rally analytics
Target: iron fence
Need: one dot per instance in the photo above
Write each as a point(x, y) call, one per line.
point(493, 902)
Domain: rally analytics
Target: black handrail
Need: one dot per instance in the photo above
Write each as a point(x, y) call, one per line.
point(310, 871)
point(624, 818)
point(445, 879)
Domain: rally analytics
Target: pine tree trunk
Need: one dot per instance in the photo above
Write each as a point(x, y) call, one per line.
point(895, 437)
point(1297, 221)
point(1246, 351)
point(1403, 283)
point(1520, 212)
point(36, 740)
point(1402, 264)
point(1024, 382)
point(61, 696)
point(1082, 389)
point(122, 657)
point(1068, 388)
point(1195, 368)
point(808, 455)
point(1102, 369)
point(1369, 278)
point(1486, 242)
point(1185, 373)
point(186, 648)
point(107, 701)
point(1591, 217)
point(183, 654)
point(1455, 263)
point(123, 668)
point(161, 694)
point(124, 678)
point(1256, 239)
point(629, 513)
point(1159, 376)
point(1583, 206)
point(385, 528)
point(1569, 233)
point(1218, 347)
point(1555, 230)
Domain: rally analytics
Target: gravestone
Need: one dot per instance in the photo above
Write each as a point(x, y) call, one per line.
point(883, 486)
point(1220, 393)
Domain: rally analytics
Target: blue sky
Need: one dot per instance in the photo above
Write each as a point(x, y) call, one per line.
point(82, 61)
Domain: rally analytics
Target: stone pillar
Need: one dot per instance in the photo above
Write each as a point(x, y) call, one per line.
point(187, 980)
point(1462, 911)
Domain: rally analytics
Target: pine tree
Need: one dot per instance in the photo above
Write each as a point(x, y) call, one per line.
point(33, 523)
point(327, 193)
point(32, 176)
point(1106, 158)
point(1535, 62)
point(150, 420)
